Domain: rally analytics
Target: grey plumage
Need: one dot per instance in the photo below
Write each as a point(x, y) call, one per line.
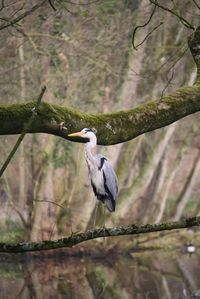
point(103, 178)
point(104, 182)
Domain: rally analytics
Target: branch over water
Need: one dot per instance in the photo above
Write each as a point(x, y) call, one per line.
point(78, 238)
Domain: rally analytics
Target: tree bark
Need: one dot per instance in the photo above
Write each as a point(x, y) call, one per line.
point(22, 163)
point(78, 238)
point(111, 128)
point(142, 181)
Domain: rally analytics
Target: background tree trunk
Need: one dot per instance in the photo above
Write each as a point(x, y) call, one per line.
point(22, 162)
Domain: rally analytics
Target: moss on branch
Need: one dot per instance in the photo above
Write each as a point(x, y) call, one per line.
point(111, 128)
point(76, 239)
point(114, 127)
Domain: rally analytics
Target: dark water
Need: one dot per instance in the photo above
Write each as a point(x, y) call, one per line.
point(144, 275)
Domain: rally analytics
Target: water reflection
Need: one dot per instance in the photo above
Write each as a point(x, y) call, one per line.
point(147, 275)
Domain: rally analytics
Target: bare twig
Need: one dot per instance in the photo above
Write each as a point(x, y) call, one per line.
point(22, 16)
point(75, 239)
point(142, 26)
point(83, 4)
point(18, 213)
point(183, 20)
point(179, 58)
point(52, 6)
point(169, 59)
point(50, 201)
point(11, 203)
point(25, 130)
point(148, 34)
point(2, 5)
point(197, 5)
point(169, 80)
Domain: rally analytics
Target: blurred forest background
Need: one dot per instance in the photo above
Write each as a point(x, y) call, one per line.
point(84, 55)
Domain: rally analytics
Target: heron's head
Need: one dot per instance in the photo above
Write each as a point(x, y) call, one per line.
point(85, 133)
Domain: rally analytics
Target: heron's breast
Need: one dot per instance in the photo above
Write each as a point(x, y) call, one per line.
point(97, 180)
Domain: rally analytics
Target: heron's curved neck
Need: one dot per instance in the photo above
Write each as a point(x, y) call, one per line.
point(89, 146)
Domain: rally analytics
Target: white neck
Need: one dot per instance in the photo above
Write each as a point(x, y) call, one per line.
point(89, 146)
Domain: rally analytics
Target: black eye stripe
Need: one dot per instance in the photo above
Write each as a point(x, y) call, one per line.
point(88, 130)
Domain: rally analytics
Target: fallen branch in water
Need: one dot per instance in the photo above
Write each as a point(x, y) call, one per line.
point(78, 238)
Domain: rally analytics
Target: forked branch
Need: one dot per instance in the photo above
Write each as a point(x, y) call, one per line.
point(175, 13)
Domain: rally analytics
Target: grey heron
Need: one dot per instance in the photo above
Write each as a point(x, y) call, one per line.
point(101, 173)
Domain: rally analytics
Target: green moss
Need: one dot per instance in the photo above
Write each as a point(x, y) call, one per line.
point(111, 128)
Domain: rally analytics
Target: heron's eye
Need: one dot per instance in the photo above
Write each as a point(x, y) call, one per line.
point(88, 130)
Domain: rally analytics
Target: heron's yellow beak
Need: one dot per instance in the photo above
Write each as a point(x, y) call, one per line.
point(75, 134)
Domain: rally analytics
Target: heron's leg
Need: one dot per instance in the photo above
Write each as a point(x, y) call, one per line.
point(104, 221)
point(95, 214)
point(104, 216)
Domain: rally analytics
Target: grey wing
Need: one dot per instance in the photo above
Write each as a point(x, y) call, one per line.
point(109, 175)
point(111, 178)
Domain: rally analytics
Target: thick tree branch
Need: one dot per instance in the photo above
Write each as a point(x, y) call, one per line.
point(114, 127)
point(76, 239)
point(111, 128)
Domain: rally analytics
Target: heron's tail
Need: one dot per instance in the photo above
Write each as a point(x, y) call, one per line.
point(108, 201)
point(110, 204)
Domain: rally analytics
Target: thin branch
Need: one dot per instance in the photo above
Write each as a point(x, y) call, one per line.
point(178, 59)
point(183, 20)
point(22, 16)
point(15, 12)
point(142, 26)
point(2, 5)
point(197, 5)
point(169, 58)
point(83, 4)
point(11, 203)
point(52, 6)
point(25, 130)
point(78, 238)
point(52, 202)
point(169, 80)
point(70, 12)
point(17, 210)
point(148, 34)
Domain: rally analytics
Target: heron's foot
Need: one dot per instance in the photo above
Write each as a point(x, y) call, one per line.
point(104, 229)
point(94, 228)
point(62, 126)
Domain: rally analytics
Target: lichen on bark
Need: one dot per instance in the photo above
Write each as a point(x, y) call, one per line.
point(78, 238)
